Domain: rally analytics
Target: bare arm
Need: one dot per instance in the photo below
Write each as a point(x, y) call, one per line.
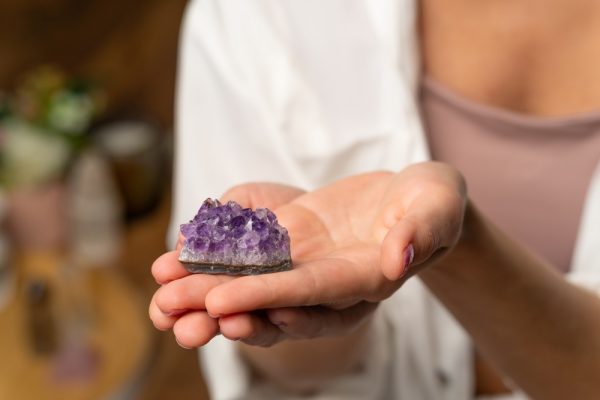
point(352, 240)
point(537, 328)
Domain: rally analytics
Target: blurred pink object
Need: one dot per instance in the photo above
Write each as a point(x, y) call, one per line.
point(36, 216)
point(76, 361)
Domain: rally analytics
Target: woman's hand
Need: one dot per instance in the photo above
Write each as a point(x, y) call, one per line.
point(354, 243)
point(179, 303)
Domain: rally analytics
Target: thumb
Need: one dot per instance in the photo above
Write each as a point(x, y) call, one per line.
point(420, 237)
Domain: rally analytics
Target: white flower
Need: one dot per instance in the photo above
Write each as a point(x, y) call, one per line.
point(32, 156)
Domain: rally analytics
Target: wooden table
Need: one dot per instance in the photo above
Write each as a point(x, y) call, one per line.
point(139, 361)
point(174, 372)
point(117, 333)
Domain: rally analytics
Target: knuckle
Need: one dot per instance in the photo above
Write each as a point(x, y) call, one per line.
point(432, 242)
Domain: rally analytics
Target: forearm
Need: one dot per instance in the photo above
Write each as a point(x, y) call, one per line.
point(305, 365)
point(525, 317)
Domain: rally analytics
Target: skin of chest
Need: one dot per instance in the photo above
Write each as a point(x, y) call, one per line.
point(537, 57)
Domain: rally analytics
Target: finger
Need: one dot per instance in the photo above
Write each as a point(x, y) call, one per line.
point(422, 234)
point(397, 250)
point(167, 268)
point(180, 240)
point(328, 280)
point(187, 293)
point(251, 328)
point(318, 321)
point(160, 320)
point(267, 195)
point(195, 329)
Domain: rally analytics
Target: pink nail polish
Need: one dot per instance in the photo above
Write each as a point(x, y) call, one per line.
point(409, 256)
point(280, 324)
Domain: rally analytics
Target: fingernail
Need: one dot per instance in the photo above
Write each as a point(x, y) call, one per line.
point(214, 316)
point(175, 313)
point(409, 256)
point(280, 324)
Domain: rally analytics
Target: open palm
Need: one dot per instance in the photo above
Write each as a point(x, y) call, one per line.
point(352, 242)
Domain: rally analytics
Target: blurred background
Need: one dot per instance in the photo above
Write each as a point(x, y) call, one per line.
point(86, 121)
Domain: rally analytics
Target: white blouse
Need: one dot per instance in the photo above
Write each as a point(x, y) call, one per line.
point(304, 93)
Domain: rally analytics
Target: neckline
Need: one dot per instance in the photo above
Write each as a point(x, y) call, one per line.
point(503, 115)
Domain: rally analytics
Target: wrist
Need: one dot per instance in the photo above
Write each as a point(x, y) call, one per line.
point(459, 258)
point(470, 234)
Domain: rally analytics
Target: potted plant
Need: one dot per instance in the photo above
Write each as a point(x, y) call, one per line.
point(43, 126)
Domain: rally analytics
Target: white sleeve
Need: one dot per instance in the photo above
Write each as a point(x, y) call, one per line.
point(369, 381)
point(227, 119)
point(227, 131)
point(247, 109)
point(585, 270)
point(236, 87)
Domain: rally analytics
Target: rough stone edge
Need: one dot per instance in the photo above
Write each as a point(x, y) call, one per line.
point(218, 269)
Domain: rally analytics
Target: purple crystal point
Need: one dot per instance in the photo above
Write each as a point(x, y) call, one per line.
point(229, 239)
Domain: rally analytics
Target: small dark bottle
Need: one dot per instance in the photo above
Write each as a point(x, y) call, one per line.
point(40, 318)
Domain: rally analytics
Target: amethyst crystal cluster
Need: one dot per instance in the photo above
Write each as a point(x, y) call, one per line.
point(229, 239)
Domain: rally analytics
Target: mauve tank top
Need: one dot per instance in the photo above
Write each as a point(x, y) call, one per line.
point(528, 174)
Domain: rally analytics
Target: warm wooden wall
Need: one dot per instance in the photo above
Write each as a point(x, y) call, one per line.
point(131, 47)
point(128, 45)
